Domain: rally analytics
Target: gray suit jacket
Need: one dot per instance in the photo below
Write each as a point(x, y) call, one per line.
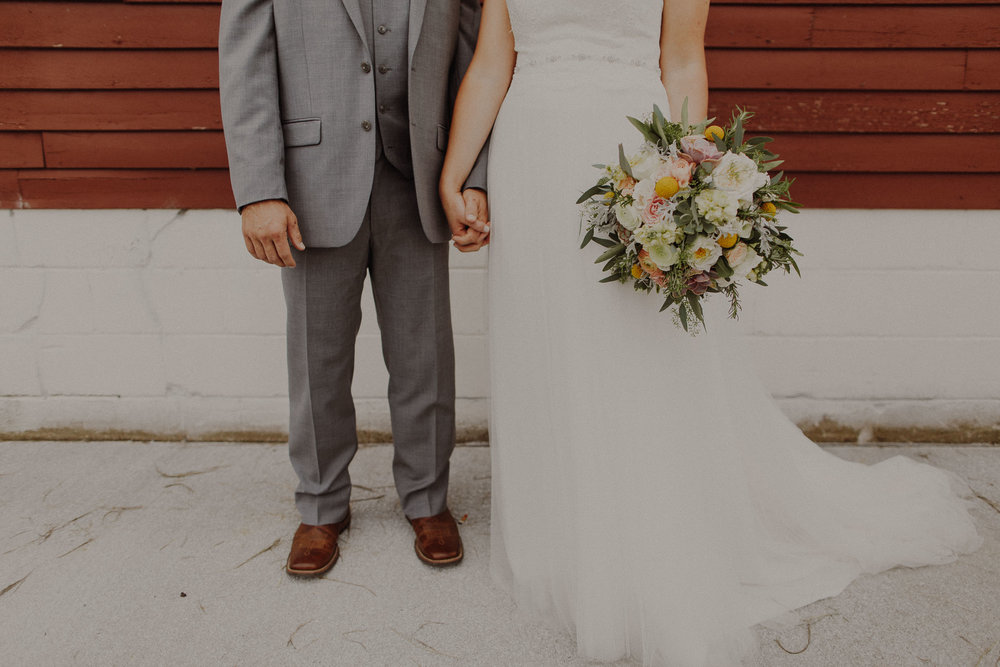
point(298, 91)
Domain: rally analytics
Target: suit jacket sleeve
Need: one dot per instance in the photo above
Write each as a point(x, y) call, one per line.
point(468, 32)
point(248, 86)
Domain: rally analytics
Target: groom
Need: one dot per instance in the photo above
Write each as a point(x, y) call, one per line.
point(336, 116)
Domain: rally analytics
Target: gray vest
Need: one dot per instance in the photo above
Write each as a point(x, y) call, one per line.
point(387, 25)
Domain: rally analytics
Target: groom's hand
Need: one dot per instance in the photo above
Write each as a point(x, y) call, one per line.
point(468, 217)
point(267, 226)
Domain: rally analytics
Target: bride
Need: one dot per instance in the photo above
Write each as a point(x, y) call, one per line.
point(648, 495)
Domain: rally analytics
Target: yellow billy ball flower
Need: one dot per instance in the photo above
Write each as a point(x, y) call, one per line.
point(667, 187)
point(728, 240)
point(767, 208)
point(714, 131)
point(636, 271)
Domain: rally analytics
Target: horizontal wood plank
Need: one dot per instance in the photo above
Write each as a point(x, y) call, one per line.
point(917, 153)
point(875, 112)
point(903, 191)
point(983, 70)
point(182, 188)
point(135, 150)
point(765, 3)
point(210, 189)
point(906, 27)
point(112, 25)
point(795, 69)
point(830, 69)
point(778, 111)
point(10, 193)
point(814, 152)
point(852, 26)
point(110, 110)
point(105, 69)
point(186, 25)
point(21, 149)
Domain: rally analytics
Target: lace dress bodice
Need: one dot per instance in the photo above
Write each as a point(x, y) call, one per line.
point(588, 31)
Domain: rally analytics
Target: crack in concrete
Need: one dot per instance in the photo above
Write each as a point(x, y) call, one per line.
point(188, 473)
point(424, 645)
point(292, 636)
point(991, 503)
point(79, 546)
point(10, 588)
point(348, 583)
point(262, 551)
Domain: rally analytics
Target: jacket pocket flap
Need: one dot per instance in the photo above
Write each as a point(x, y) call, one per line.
point(304, 132)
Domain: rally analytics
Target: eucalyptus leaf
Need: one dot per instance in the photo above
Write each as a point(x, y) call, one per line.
point(597, 189)
point(614, 251)
point(587, 238)
point(623, 162)
point(649, 135)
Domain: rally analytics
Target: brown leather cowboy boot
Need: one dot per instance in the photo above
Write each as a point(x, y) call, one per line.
point(438, 541)
point(314, 548)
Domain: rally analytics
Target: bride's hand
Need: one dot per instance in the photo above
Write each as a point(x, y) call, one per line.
point(468, 218)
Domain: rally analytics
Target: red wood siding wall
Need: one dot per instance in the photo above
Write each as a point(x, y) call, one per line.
point(874, 103)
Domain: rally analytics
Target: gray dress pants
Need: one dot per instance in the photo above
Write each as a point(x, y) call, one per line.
point(409, 277)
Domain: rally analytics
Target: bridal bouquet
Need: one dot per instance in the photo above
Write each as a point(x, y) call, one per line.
point(691, 213)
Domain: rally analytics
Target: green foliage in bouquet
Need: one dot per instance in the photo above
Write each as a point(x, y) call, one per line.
point(692, 212)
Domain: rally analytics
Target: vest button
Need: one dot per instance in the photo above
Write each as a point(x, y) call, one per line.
point(366, 126)
point(382, 30)
point(383, 69)
point(365, 67)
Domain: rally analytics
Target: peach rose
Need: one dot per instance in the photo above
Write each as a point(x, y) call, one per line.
point(679, 168)
point(627, 185)
point(647, 264)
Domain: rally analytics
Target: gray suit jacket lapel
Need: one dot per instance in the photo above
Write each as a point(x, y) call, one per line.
point(417, 9)
point(354, 11)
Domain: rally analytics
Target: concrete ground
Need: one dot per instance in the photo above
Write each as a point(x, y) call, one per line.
point(172, 554)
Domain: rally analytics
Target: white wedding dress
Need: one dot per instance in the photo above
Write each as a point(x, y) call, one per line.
point(648, 495)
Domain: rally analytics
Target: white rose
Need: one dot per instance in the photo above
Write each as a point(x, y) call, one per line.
point(737, 174)
point(737, 254)
point(717, 206)
point(704, 252)
point(644, 191)
point(746, 264)
point(664, 255)
point(645, 163)
point(628, 216)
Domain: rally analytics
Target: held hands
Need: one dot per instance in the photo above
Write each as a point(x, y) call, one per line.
point(468, 218)
point(267, 227)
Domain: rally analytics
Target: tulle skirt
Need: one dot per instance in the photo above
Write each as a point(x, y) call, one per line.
point(648, 495)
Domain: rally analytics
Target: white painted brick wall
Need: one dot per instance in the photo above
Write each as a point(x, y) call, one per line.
point(159, 321)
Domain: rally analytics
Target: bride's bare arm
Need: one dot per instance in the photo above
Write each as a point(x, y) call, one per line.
point(479, 98)
point(682, 56)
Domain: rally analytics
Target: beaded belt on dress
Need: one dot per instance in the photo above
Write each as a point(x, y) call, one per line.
point(526, 62)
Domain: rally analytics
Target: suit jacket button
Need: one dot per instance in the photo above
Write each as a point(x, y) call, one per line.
point(382, 30)
point(366, 126)
point(365, 67)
